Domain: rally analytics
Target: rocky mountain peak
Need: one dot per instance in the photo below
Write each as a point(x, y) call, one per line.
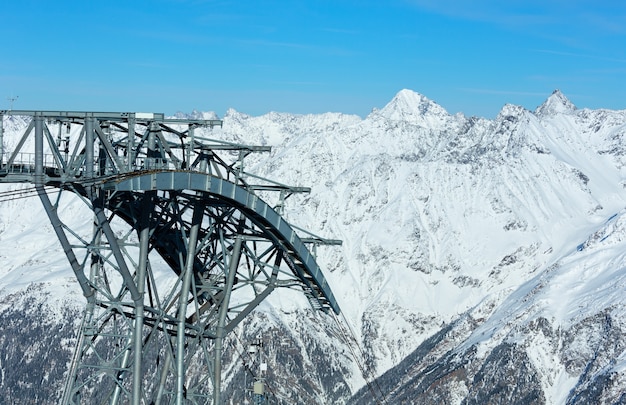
point(413, 107)
point(557, 103)
point(510, 110)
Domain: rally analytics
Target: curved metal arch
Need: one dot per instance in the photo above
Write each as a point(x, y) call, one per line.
point(302, 261)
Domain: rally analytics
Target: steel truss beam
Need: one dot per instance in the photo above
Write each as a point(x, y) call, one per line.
point(180, 251)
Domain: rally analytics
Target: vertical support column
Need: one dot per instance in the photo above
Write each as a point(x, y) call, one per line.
point(39, 150)
point(163, 379)
point(240, 159)
point(153, 154)
point(204, 160)
point(131, 155)
point(144, 237)
point(1, 139)
point(182, 306)
point(117, 392)
point(223, 311)
point(89, 145)
point(102, 155)
point(190, 146)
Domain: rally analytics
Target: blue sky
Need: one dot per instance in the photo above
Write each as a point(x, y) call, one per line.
point(310, 56)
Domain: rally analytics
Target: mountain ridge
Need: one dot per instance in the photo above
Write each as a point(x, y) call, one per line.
point(466, 241)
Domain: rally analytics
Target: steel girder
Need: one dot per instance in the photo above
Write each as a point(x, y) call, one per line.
point(182, 248)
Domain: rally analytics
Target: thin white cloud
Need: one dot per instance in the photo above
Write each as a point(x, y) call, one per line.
point(583, 15)
point(277, 44)
point(151, 65)
point(175, 37)
point(299, 83)
point(318, 49)
point(510, 13)
point(502, 92)
point(579, 55)
point(341, 31)
point(611, 22)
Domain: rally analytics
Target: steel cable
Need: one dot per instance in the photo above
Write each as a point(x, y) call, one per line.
point(365, 372)
point(11, 195)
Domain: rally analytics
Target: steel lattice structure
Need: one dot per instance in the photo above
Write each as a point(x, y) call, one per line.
point(161, 197)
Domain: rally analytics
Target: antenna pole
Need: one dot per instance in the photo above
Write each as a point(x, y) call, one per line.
point(11, 101)
point(258, 389)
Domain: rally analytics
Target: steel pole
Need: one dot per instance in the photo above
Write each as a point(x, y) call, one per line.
point(152, 152)
point(163, 379)
point(220, 332)
point(190, 146)
point(115, 398)
point(182, 306)
point(38, 150)
point(131, 155)
point(144, 237)
point(1, 139)
point(89, 145)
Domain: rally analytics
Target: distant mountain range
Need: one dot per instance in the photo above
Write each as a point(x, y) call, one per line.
point(483, 261)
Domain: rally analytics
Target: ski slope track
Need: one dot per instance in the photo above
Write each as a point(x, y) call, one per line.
point(483, 261)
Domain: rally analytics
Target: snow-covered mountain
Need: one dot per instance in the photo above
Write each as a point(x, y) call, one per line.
point(484, 261)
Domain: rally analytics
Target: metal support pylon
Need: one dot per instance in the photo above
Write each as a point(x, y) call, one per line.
point(180, 248)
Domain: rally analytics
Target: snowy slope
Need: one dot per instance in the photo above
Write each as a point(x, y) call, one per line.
point(466, 241)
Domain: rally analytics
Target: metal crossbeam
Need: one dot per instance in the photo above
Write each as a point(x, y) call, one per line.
point(182, 247)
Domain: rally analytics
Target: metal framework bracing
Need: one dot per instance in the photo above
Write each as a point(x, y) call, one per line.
point(179, 249)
